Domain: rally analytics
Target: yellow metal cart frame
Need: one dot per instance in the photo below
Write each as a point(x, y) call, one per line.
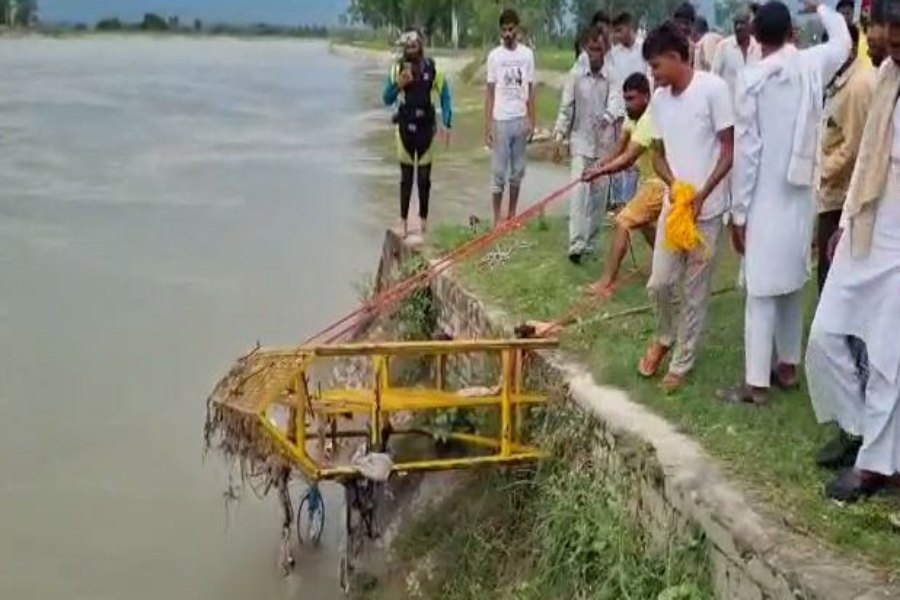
point(265, 407)
point(382, 399)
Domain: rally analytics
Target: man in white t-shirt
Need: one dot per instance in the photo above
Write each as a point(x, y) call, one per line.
point(693, 143)
point(625, 55)
point(625, 59)
point(508, 112)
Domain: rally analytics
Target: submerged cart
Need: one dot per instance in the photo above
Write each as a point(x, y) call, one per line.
point(283, 412)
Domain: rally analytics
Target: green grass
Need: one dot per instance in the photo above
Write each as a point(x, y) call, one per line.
point(555, 59)
point(546, 105)
point(769, 449)
point(559, 531)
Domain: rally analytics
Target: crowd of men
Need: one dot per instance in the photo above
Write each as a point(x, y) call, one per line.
point(776, 142)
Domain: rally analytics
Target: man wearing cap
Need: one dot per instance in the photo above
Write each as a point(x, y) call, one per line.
point(414, 82)
point(861, 298)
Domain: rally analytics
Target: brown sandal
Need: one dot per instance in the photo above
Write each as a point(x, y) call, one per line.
point(672, 382)
point(785, 377)
point(652, 359)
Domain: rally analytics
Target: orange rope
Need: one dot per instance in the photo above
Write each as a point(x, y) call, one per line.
point(584, 306)
point(381, 302)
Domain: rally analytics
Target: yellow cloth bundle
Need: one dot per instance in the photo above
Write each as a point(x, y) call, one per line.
point(682, 234)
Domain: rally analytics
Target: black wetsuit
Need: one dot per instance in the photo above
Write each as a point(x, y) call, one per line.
point(416, 126)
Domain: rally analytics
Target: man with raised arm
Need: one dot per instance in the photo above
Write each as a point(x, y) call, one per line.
point(778, 113)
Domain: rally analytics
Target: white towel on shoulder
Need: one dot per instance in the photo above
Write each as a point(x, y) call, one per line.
point(805, 143)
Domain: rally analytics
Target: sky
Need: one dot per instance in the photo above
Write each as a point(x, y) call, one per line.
point(318, 12)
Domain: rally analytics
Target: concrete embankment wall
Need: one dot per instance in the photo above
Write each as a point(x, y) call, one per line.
point(674, 486)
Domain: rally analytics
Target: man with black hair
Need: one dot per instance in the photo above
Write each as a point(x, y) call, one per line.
point(861, 298)
point(846, 8)
point(876, 34)
point(847, 99)
point(589, 97)
point(736, 52)
point(415, 82)
point(705, 44)
point(601, 17)
point(625, 59)
point(641, 213)
point(693, 144)
point(683, 18)
point(778, 112)
point(508, 112)
point(626, 53)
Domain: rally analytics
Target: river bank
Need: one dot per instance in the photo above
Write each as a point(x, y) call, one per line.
point(765, 455)
point(626, 502)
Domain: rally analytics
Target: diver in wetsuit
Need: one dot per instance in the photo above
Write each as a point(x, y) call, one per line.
point(413, 83)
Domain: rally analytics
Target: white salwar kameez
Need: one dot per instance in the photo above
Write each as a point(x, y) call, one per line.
point(862, 299)
point(778, 214)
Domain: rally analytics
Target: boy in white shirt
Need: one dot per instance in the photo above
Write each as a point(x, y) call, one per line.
point(509, 112)
point(693, 143)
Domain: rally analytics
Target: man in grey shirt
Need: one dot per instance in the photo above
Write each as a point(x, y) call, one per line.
point(591, 99)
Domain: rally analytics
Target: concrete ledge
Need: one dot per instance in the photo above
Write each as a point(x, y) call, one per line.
point(674, 485)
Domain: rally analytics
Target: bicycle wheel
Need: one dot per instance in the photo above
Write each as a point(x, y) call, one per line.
point(311, 517)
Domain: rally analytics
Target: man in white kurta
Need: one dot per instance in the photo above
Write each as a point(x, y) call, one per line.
point(736, 52)
point(861, 298)
point(778, 109)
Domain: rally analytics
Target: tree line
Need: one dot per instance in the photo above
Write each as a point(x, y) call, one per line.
point(18, 13)
point(474, 22)
point(157, 23)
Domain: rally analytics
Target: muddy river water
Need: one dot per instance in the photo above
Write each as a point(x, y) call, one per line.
point(164, 204)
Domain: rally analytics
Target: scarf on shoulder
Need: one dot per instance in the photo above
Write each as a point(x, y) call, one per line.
point(873, 162)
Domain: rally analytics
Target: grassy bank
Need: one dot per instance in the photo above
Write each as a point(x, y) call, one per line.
point(769, 449)
point(559, 531)
point(548, 58)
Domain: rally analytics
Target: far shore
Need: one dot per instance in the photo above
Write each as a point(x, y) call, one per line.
point(20, 33)
point(452, 62)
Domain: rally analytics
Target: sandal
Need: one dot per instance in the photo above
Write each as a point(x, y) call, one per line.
point(743, 394)
point(785, 377)
point(852, 485)
point(652, 359)
point(672, 382)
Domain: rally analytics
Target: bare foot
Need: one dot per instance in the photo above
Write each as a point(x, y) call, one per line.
point(603, 288)
point(423, 226)
point(608, 290)
point(405, 229)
